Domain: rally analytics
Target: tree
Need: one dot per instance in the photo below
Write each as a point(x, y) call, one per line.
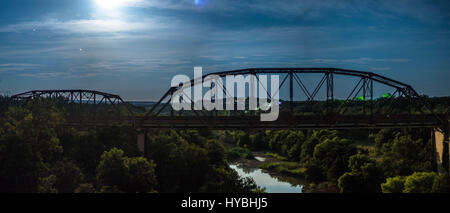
point(276, 140)
point(215, 152)
point(294, 143)
point(382, 137)
point(193, 136)
point(86, 142)
point(227, 137)
point(357, 162)
point(332, 156)
point(441, 184)
point(244, 139)
point(351, 182)
point(226, 180)
point(111, 171)
point(85, 188)
point(123, 138)
point(140, 175)
point(307, 148)
point(403, 152)
point(183, 166)
point(420, 182)
point(314, 172)
point(259, 141)
point(117, 172)
point(364, 175)
point(393, 185)
point(47, 185)
point(68, 176)
point(28, 145)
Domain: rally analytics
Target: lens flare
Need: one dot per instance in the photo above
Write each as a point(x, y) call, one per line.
point(200, 2)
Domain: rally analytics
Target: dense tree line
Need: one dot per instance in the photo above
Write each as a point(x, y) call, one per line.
point(333, 156)
point(39, 154)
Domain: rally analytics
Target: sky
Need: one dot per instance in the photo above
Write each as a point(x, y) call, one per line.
point(133, 48)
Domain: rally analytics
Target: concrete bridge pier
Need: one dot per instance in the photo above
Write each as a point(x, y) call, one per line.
point(440, 140)
point(141, 142)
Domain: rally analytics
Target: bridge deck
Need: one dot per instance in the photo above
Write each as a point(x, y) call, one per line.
point(253, 122)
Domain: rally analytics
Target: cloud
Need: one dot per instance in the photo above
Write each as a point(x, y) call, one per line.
point(112, 68)
point(322, 61)
point(380, 68)
point(148, 65)
point(368, 60)
point(17, 67)
point(359, 61)
point(42, 74)
point(418, 9)
point(85, 26)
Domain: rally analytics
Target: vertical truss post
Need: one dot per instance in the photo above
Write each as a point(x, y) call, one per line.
point(410, 104)
point(364, 94)
point(95, 106)
point(291, 93)
point(80, 108)
point(224, 104)
point(170, 99)
point(210, 89)
point(330, 91)
point(371, 100)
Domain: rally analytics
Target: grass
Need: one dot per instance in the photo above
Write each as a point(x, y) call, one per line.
point(277, 156)
point(287, 168)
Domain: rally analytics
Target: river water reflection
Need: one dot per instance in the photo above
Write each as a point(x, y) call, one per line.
point(272, 183)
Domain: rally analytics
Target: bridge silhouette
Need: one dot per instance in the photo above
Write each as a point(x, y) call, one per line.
point(315, 100)
point(315, 107)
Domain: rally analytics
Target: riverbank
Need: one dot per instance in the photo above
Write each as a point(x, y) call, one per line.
point(283, 171)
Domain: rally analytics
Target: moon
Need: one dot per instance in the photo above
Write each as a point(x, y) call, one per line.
point(111, 4)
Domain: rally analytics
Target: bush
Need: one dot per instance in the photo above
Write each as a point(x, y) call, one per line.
point(393, 185)
point(351, 182)
point(46, 185)
point(420, 182)
point(85, 188)
point(287, 168)
point(314, 172)
point(441, 184)
point(238, 152)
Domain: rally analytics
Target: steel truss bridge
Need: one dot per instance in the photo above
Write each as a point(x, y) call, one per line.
point(317, 98)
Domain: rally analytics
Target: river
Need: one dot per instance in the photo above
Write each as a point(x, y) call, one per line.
point(274, 183)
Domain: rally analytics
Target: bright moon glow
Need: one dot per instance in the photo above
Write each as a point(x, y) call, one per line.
point(111, 4)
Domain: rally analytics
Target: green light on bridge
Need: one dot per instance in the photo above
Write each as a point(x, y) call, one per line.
point(387, 95)
point(360, 98)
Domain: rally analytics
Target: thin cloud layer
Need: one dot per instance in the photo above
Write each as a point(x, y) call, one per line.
point(144, 43)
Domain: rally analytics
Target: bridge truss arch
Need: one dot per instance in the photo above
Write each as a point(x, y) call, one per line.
point(400, 106)
point(85, 105)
